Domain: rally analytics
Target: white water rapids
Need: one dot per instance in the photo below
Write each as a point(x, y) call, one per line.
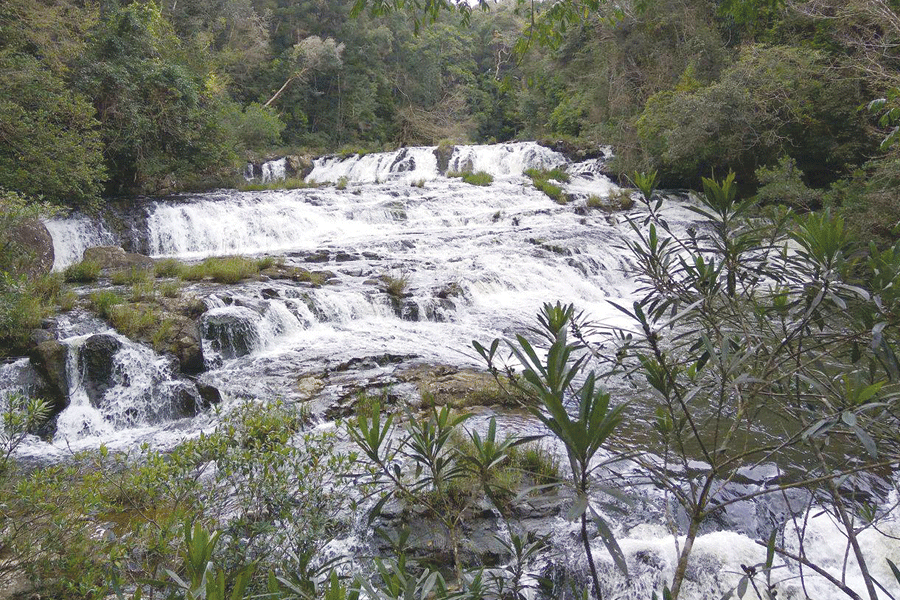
point(476, 262)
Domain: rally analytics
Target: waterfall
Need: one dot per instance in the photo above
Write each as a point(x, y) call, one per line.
point(274, 170)
point(406, 164)
point(504, 160)
point(72, 236)
point(126, 386)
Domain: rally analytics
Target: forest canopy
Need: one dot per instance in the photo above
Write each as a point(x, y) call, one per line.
point(117, 97)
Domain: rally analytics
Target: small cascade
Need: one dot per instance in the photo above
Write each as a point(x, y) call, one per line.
point(245, 325)
point(116, 384)
point(406, 164)
point(73, 235)
point(274, 170)
point(243, 224)
point(19, 377)
point(504, 160)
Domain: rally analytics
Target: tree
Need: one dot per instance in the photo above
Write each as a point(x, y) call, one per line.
point(51, 143)
point(310, 55)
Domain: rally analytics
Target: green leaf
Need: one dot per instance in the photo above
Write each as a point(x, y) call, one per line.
point(609, 540)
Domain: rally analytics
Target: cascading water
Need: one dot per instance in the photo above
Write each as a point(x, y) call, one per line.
point(71, 237)
point(418, 266)
point(274, 170)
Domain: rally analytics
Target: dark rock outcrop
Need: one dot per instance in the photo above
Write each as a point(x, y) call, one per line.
point(32, 236)
point(96, 362)
point(49, 359)
point(115, 258)
point(299, 166)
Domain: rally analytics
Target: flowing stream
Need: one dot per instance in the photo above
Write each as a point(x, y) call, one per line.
point(472, 263)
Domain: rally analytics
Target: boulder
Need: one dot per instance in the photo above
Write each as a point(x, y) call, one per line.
point(210, 394)
point(443, 153)
point(186, 402)
point(96, 364)
point(115, 258)
point(232, 333)
point(49, 359)
point(299, 166)
point(32, 236)
point(185, 343)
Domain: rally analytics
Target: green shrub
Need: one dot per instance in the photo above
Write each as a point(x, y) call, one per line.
point(478, 178)
point(266, 262)
point(21, 311)
point(132, 276)
point(143, 290)
point(594, 202)
point(230, 269)
point(103, 301)
point(290, 183)
point(170, 289)
point(341, 183)
point(542, 181)
point(133, 321)
point(551, 190)
point(556, 174)
point(47, 287)
point(396, 286)
point(783, 184)
point(168, 267)
point(67, 300)
point(84, 272)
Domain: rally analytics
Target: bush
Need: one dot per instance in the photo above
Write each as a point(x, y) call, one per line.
point(479, 178)
point(556, 174)
point(133, 321)
point(168, 267)
point(103, 301)
point(772, 101)
point(132, 276)
point(542, 181)
point(21, 311)
point(84, 272)
point(231, 269)
point(396, 286)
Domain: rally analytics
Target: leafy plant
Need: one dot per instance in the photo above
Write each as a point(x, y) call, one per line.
point(552, 380)
point(478, 178)
point(84, 272)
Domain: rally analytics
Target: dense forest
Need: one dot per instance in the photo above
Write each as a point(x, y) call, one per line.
point(111, 98)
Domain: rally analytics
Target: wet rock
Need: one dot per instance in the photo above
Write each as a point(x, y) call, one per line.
point(443, 153)
point(95, 362)
point(269, 293)
point(309, 386)
point(344, 257)
point(115, 258)
point(210, 394)
point(298, 166)
point(575, 151)
point(186, 402)
point(451, 290)
point(32, 236)
point(185, 343)
point(230, 334)
point(49, 360)
point(370, 362)
point(318, 257)
point(39, 336)
point(444, 385)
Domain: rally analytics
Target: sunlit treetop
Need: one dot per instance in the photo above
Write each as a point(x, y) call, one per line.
point(547, 21)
